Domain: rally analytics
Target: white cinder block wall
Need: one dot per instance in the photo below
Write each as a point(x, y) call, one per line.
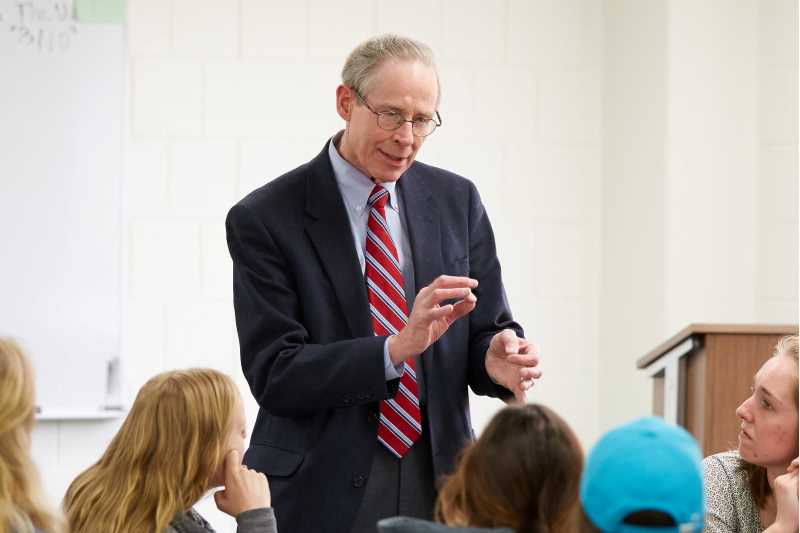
point(541, 110)
point(776, 161)
point(225, 95)
point(700, 180)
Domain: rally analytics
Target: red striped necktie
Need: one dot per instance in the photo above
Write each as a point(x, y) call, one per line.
point(400, 424)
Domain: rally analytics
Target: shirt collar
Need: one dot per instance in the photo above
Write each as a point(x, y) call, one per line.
point(354, 185)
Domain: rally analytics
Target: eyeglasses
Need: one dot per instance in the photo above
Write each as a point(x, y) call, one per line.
point(392, 120)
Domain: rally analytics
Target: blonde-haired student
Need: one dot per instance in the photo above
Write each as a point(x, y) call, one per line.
point(22, 502)
point(755, 487)
point(183, 436)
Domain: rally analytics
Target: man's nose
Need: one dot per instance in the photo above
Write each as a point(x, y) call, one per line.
point(404, 134)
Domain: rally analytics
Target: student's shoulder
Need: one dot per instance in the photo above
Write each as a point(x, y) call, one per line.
point(724, 461)
point(723, 472)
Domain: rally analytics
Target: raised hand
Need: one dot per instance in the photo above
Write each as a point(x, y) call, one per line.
point(244, 490)
point(429, 319)
point(513, 363)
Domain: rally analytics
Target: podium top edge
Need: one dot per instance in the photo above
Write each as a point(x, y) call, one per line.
point(704, 329)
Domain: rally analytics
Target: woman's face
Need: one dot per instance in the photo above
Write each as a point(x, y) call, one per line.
point(233, 441)
point(768, 435)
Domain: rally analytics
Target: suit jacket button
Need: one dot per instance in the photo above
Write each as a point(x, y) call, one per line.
point(358, 481)
point(373, 416)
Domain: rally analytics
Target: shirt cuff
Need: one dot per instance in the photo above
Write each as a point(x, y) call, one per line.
point(390, 371)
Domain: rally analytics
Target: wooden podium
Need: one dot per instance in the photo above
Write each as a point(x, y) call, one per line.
point(702, 374)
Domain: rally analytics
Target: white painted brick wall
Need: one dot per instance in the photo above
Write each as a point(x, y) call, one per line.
point(166, 98)
point(473, 32)
point(264, 159)
point(405, 18)
point(571, 114)
point(777, 264)
point(164, 257)
point(202, 177)
point(505, 103)
point(145, 340)
point(555, 34)
point(778, 169)
point(334, 27)
point(700, 179)
point(205, 28)
point(216, 271)
point(778, 101)
point(147, 185)
point(225, 95)
point(149, 26)
point(274, 28)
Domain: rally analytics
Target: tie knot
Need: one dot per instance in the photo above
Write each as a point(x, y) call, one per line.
point(378, 197)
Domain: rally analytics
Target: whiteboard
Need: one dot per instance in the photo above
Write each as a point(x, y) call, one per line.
point(61, 134)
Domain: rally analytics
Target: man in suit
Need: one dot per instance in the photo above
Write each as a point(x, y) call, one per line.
point(362, 385)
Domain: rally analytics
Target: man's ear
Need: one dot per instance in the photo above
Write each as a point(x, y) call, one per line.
point(345, 100)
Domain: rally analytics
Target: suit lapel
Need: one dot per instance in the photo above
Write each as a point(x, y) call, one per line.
point(425, 240)
point(329, 229)
point(423, 228)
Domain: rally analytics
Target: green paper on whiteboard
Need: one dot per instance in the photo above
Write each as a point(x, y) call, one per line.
point(103, 11)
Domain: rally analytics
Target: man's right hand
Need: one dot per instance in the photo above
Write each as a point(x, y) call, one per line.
point(429, 320)
point(244, 490)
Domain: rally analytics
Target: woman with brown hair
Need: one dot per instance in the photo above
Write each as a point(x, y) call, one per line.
point(522, 474)
point(184, 435)
point(22, 502)
point(755, 487)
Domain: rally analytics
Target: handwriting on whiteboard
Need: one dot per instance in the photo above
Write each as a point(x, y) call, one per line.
point(46, 27)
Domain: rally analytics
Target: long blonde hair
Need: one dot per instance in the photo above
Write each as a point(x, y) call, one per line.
point(22, 502)
point(160, 461)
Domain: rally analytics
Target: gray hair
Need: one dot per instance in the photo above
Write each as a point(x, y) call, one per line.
point(365, 59)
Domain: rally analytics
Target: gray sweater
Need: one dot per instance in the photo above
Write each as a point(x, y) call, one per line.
point(253, 521)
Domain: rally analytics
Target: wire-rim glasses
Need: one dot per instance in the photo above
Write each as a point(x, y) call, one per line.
point(392, 120)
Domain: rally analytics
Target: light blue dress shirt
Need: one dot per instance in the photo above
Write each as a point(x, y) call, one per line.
point(355, 188)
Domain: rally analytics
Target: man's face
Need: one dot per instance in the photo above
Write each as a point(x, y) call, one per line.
point(407, 87)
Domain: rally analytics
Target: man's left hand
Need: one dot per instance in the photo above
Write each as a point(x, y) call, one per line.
point(513, 363)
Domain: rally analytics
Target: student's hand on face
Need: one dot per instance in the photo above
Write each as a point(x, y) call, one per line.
point(786, 495)
point(244, 490)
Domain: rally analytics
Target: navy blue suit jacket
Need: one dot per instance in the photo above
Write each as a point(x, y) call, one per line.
point(307, 346)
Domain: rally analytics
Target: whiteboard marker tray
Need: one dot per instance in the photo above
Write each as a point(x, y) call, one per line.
point(100, 413)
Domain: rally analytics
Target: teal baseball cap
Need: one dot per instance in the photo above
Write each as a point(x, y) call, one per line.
point(645, 465)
